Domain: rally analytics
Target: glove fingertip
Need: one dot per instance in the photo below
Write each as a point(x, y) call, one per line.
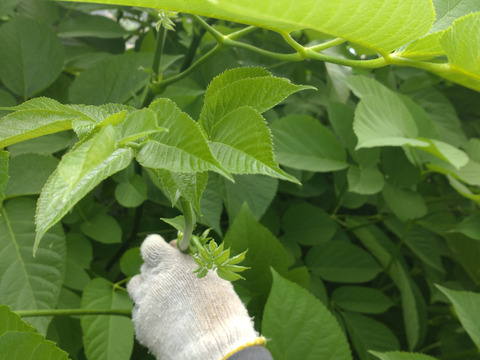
point(154, 248)
point(133, 287)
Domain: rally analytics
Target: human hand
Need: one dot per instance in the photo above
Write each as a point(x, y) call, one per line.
point(179, 316)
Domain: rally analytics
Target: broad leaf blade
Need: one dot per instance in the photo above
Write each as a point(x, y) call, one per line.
point(31, 57)
point(60, 195)
point(4, 156)
point(361, 299)
point(397, 355)
point(32, 282)
point(106, 337)
point(377, 24)
point(241, 142)
point(12, 322)
point(293, 336)
point(302, 143)
point(29, 345)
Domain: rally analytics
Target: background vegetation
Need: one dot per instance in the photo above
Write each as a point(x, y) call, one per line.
point(365, 242)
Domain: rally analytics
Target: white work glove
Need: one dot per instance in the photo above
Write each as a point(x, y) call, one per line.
point(181, 317)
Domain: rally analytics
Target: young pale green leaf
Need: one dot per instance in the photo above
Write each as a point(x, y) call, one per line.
point(405, 203)
point(28, 173)
point(91, 26)
point(247, 233)
point(369, 334)
point(466, 305)
point(183, 148)
point(29, 345)
point(12, 322)
point(37, 117)
point(114, 80)
point(189, 185)
point(361, 299)
point(257, 191)
point(449, 10)
point(446, 152)
point(302, 142)
point(259, 93)
point(380, 25)
point(33, 283)
point(306, 224)
point(59, 195)
point(463, 190)
point(106, 337)
point(4, 177)
point(31, 58)
point(399, 355)
point(427, 47)
point(462, 46)
point(293, 336)
point(470, 227)
point(375, 242)
point(241, 141)
point(340, 261)
point(131, 193)
point(103, 228)
point(365, 180)
point(138, 124)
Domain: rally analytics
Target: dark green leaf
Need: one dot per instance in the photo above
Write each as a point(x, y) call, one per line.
point(31, 57)
point(103, 228)
point(361, 299)
point(301, 142)
point(405, 203)
point(467, 252)
point(106, 336)
point(131, 193)
point(470, 227)
point(91, 25)
point(131, 261)
point(33, 282)
point(4, 177)
point(397, 355)
point(307, 224)
point(300, 326)
point(365, 180)
point(340, 261)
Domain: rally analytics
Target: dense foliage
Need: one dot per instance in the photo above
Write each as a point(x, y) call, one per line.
point(343, 155)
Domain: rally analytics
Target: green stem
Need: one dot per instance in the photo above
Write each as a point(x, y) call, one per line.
point(189, 217)
point(218, 36)
point(192, 48)
point(58, 312)
point(157, 57)
point(326, 45)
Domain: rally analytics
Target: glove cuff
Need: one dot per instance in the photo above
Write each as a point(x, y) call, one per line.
point(260, 341)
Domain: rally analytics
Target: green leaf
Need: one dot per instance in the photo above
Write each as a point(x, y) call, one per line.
point(211, 204)
point(369, 334)
point(466, 306)
point(424, 245)
point(31, 57)
point(449, 10)
point(59, 195)
point(189, 185)
point(131, 193)
point(131, 261)
point(29, 345)
point(79, 256)
point(340, 261)
point(240, 87)
point(106, 336)
point(307, 224)
point(361, 299)
point(183, 148)
point(257, 191)
point(91, 26)
point(397, 169)
point(398, 355)
point(138, 124)
point(4, 177)
point(12, 322)
point(427, 47)
point(29, 172)
point(470, 227)
point(467, 252)
point(241, 141)
point(405, 203)
point(366, 181)
point(462, 45)
point(115, 79)
point(37, 117)
point(300, 326)
point(301, 142)
point(103, 228)
point(375, 241)
point(382, 26)
point(264, 250)
point(32, 282)
point(45, 144)
point(7, 6)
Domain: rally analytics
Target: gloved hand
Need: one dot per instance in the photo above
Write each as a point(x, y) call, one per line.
point(179, 316)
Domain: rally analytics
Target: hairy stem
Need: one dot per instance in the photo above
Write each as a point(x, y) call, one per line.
point(59, 312)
